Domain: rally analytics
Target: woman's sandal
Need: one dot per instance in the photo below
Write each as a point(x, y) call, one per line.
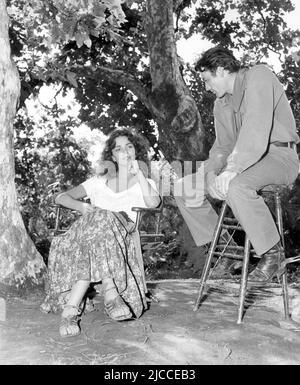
point(69, 325)
point(116, 308)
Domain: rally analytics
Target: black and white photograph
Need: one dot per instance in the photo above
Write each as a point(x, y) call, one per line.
point(149, 185)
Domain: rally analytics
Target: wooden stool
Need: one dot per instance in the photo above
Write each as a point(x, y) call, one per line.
point(229, 223)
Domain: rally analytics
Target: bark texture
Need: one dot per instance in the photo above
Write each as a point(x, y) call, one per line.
point(20, 263)
point(179, 123)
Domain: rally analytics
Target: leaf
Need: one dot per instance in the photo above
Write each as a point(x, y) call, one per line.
point(99, 10)
point(71, 77)
point(88, 42)
point(79, 37)
point(296, 56)
point(99, 21)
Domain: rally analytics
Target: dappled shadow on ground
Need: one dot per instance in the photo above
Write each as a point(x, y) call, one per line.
point(168, 333)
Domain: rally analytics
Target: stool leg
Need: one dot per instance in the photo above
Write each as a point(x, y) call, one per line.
point(285, 295)
point(243, 285)
point(283, 279)
point(210, 255)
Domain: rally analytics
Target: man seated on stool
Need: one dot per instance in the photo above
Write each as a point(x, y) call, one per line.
point(255, 146)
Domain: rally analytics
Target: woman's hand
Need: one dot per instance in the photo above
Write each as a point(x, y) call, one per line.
point(134, 168)
point(86, 208)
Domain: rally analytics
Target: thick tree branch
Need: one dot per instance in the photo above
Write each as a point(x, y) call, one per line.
point(182, 127)
point(130, 82)
point(134, 85)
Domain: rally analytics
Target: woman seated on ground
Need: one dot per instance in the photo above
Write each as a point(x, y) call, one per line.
point(99, 245)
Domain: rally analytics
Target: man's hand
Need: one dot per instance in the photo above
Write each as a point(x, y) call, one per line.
point(211, 186)
point(222, 182)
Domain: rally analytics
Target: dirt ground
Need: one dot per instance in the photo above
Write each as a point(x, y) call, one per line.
point(169, 333)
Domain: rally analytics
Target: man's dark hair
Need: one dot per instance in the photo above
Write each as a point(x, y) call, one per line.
point(217, 57)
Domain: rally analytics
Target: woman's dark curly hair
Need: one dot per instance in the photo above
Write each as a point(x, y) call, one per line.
point(140, 144)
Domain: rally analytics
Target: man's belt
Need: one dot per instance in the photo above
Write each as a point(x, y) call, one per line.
point(285, 144)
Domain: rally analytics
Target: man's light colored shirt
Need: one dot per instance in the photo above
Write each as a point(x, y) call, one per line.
point(248, 121)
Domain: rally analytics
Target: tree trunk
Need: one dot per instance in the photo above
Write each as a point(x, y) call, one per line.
point(181, 133)
point(179, 123)
point(20, 263)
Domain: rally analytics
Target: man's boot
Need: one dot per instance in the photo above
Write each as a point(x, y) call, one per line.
point(267, 267)
point(226, 267)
